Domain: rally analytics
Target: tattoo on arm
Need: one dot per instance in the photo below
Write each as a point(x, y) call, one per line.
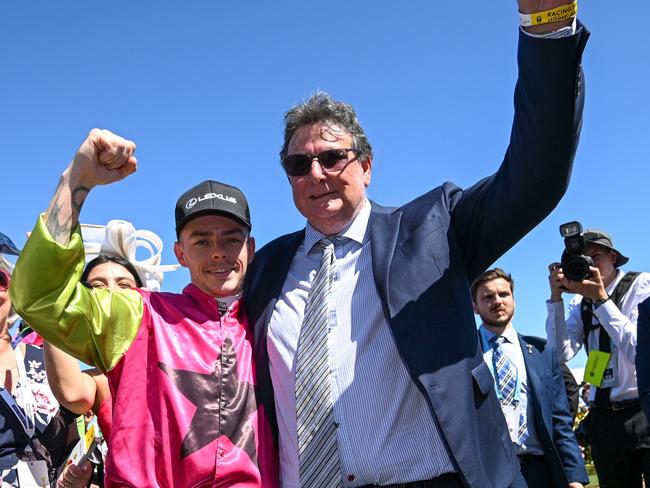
point(79, 195)
point(63, 213)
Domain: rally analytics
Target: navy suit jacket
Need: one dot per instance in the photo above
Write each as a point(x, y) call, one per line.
point(553, 420)
point(643, 355)
point(425, 254)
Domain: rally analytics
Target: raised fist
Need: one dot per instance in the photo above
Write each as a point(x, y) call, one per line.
point(103, 158)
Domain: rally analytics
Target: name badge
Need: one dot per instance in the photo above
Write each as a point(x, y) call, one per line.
point(512, 414)
point(596, 367)
point(33, 474)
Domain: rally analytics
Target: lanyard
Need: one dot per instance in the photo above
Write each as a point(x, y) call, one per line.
point(485, 347)
point(20, 336)
point(24, 412)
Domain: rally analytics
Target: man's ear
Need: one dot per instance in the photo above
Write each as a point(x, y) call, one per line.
point(251, 248)
point(366, 166)
point(613, 257)
point(180, 255)
point(474, 307)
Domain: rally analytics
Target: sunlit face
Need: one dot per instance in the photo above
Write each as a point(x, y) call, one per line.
point(217, 250)
point(329, 201)
point(495, 303)
point(604, 260)
point(112, 276)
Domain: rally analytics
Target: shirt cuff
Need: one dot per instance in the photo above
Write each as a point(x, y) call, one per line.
point(567, 31)
point(555, 307)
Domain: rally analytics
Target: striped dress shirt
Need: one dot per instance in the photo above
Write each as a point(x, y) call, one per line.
point(386, 433)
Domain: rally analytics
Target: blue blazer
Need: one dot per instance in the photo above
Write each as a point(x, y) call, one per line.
point(426, 253)
point(643, 355)
point(553, 421)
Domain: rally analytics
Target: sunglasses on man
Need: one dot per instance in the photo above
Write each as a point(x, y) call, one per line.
point(331, 160)
point(4, 280)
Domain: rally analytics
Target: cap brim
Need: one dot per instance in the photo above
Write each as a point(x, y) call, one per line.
point(621, 260)
point(211, 211)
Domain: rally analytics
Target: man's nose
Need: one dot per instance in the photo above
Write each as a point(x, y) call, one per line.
point(316, 170)
point(218, 251)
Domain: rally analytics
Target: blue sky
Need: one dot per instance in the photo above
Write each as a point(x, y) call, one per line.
point(202, 86)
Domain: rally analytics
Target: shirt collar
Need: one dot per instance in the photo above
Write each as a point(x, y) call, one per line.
point(355, 231)
point(231, 303)
point(510, 335)
point(613, 284)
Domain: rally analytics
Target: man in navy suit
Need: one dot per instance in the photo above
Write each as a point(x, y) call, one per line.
point(536, 409)
point(391, 387)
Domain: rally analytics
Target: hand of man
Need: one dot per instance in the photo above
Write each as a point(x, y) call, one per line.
point(75, 476)
point(103, 158)
point(592, 287)
point(575, 484)
point(555, 280)
point(535, 6)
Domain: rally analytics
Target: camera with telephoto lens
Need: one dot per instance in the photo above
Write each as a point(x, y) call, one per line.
point(575, 265)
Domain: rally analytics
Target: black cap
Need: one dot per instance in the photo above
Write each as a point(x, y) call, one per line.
point(212, 197)
point(593, 236)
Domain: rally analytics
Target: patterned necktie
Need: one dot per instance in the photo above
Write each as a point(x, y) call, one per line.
point(506, 373)
point(317, 450)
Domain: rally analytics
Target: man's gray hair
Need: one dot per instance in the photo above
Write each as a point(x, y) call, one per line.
point(322, 108)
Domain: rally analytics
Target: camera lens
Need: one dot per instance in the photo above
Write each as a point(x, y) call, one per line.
point(576, 268)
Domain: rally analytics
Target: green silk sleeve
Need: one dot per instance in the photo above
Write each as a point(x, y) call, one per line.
point(96, 326)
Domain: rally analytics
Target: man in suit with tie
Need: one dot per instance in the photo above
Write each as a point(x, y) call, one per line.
point(530, 388)
point(365, 340)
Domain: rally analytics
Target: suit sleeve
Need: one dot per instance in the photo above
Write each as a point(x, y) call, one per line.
point(96, 326)
point(643, 356)
point(563, 437)
point(492, 215)
point(572, 390)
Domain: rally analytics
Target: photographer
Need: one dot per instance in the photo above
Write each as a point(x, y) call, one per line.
point(603, 317)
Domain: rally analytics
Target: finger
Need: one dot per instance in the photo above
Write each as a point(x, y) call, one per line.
point(130, 148)
point(116, 153)
point(554, 268)
point(129, 168)
point(115, 159)
point(114, 150)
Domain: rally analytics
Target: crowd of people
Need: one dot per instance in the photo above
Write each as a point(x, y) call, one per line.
point(343, 354)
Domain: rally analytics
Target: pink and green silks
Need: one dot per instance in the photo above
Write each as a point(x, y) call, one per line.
point(185, 408)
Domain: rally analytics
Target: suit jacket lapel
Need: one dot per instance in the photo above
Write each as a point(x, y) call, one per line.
point(269, 284)
point(383, 227)
point(531, 360)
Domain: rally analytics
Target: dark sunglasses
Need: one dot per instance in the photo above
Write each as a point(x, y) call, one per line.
point(4, 280)
point(330, 160)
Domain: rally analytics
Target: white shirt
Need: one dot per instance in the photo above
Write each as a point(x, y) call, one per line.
point(620, 325)
point(386, 433)
point(512, 349)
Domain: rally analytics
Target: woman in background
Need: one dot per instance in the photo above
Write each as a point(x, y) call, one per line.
point(80, 391)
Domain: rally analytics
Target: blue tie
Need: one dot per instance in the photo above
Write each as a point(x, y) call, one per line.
point(506, 373)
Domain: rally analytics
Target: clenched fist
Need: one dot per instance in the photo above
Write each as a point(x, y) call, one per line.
point(103, 158)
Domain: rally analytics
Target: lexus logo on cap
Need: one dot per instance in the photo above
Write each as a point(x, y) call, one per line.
point(208, 196)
